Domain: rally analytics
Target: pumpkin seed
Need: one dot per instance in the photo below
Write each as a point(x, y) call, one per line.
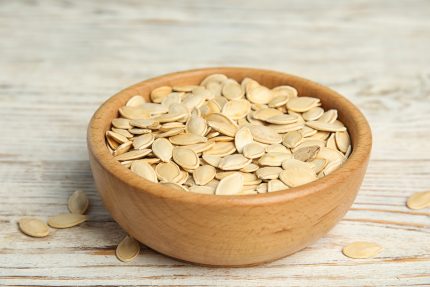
point(419, 200)
point(33, 227)
point(144, 169)
point(66, 220)
point(78, 202)
point(362, 250)
point(230, 185)
point(204, 174)
point(127, 249)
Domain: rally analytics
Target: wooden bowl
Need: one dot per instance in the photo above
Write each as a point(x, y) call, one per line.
point(228, 230)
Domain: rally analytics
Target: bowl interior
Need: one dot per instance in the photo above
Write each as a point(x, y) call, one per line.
point(353, 119)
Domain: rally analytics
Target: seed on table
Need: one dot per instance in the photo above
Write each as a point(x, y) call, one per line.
point(78, 202)
point(419, 200)
point(362, 250)
point(33, 227)
point(127, 249)
point(66, 220)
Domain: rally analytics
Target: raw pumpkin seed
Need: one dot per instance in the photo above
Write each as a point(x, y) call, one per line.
point(127, 249)
point(362, 250)
point(66, 220)
point(33, 227)
point(223, 128)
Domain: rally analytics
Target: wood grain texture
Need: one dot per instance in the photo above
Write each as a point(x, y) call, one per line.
point(59, 60)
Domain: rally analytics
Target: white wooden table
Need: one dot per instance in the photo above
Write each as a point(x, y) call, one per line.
point(60, 59)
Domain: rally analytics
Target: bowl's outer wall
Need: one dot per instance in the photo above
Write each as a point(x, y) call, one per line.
point(218, 231)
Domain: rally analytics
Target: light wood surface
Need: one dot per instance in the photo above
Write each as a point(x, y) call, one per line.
point(228, 230)
point(59, 60)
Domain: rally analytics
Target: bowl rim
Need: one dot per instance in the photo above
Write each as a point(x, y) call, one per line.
point(97, 148)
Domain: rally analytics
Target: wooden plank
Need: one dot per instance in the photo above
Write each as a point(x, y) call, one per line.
point(60, 59)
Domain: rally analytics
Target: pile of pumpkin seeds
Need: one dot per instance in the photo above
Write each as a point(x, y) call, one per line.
point(228, 138)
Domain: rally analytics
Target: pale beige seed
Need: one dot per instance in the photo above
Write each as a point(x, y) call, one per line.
point(226, 129)
point(306, 153)
point(275, 185)
point(236, 109)
point(288, 91)
point(221, 101)
point(33, 227)
point(194, 101)
point(202, 189)
point(319, 135)
point(319, 164)
point(172, 99)
point(172, 117)
point(282, 129)
point(123, 148)
point(329, 116)
point(122, 132)
point(144, 169)
point(348, 152)
point(145, 123)
point(258, 94)
point(215, 88)
point(331, 142)
point(295, 176)
point(212, 135)
point(121, 123)
point(269, 172)
point(162, 148)
point(158, 94)
point(135, 131)
point(116, 137)
point(221, 149)
point(185, 88)
point(127, 249)
point(262, 188)
point(185, 158)
point(204, 174)
point(171, 132)
point(167, 171)
point(253, 150)
point(183, 177)
point(66, 220)
point(218, 78)
point(327, 127)
point(204, 93)
point(308, 132)
point(175, 186)
point(143, 141)
point(250, 168)
point(256, 107)
point(233, 162)
point(250, 179)
point(252, 121)
point(232, 90)
point(223, 139)
point(273, 158)
point(313, 114)
point(78, 202)
point(332, 166)
point(264, 134)
point(171, 125)
point(230, 185)
point(330, 155)
point(196, 125)
point(266, 113)
point(419, 200)
point(277, 148)
point(187, 139)
point(302, 104)
point(278, 100)
point(282, 119)
point(292, 139)
point(213, 160)
point(127, 163)
point(134, 113)
point(135, 101)
point(151, 160)
point(362, 250)
point(134, 154)
point(242, 138)
point(307, 142)
point(342, 141)
point(294, 163)
point(201, 147)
